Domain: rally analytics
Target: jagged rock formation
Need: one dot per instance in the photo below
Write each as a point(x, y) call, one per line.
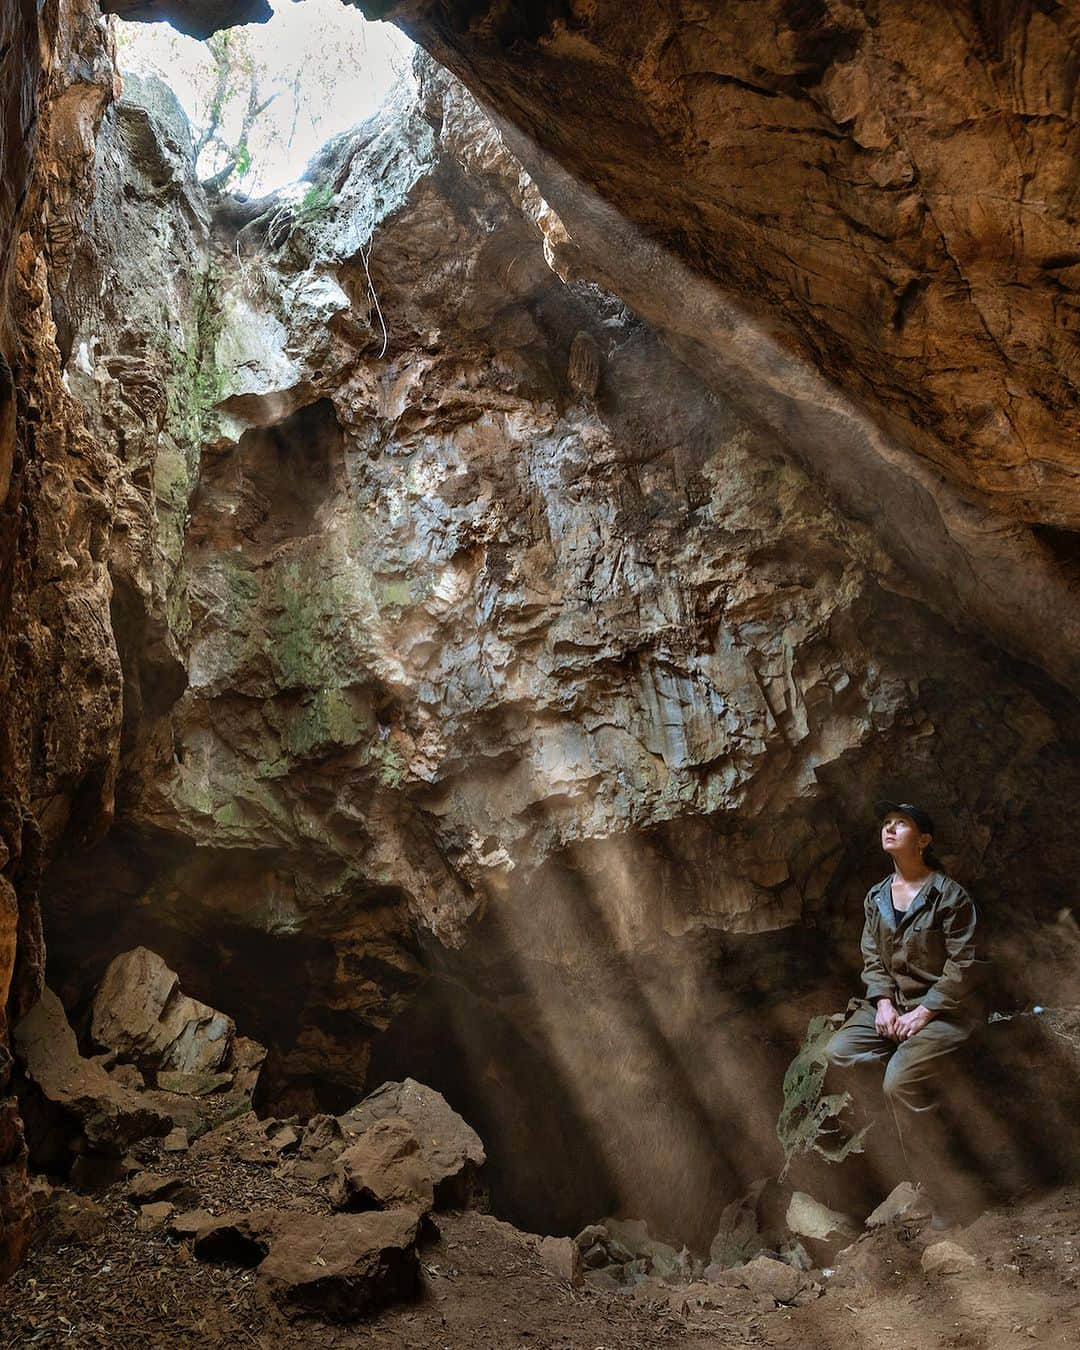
point(488, 690)
point(486, 671)
point(59, 671)
point(880, 197)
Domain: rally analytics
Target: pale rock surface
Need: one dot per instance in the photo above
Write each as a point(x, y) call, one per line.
point(140, 1013)
point(947, 1258)
point(904, 1202)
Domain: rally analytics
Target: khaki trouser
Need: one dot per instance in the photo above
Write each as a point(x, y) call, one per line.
point(913, 1071)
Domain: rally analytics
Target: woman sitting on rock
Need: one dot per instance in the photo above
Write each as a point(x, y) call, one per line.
point(919, 968)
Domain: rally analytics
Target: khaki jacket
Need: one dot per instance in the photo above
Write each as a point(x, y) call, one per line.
point(929, 957)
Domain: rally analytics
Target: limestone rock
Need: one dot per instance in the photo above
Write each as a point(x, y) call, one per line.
point(111, 1117)
point(867, 137)
point(385, 1169)
point(140, 1014)
point(153, 1216)
point(342, 1266)
point(149, 1187)
point(450, 1149)
point(947, 1258)
point(809, 1218)
point(904, 1203)
point(774, 1279)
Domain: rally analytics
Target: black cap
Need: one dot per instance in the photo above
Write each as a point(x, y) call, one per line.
point(916, 813)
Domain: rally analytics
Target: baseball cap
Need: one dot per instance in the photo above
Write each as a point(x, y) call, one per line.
point(921, 818)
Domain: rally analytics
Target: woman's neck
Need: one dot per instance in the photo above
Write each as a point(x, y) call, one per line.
point(911, 869)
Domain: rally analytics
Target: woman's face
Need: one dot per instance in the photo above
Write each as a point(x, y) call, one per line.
point(900, 836)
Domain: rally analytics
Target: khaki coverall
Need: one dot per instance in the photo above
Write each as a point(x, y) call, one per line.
point(927, 957)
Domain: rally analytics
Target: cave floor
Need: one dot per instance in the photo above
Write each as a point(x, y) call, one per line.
point(484, 1288)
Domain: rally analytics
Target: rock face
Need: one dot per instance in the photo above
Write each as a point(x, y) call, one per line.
point(500, 704)
point(489, 641)
point(59, 672)
point(883, 199)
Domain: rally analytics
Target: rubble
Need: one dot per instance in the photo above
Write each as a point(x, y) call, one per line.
point(109, 1116)
point(142, 1018)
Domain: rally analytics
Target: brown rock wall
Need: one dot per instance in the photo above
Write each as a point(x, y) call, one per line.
point(495, 686)
point(852, 222)
point(59, 673)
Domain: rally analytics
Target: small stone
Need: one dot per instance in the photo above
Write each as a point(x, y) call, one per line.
point(153, 1216)
point(590, 1236)
point(187, 1224)
point(774, 1279)
point(151, 1186)
point(596, 1257)
point(176, 1141)
point(947, 1258)
point(561, 1256)
point(903, 1202)
point(809, 1218)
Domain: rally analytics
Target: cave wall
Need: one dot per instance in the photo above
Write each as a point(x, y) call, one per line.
point(857, 221)
point(501, 704)
point(60, 681)
point(490, 605)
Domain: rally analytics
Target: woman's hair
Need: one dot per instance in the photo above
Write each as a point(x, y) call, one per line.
point(931, 859)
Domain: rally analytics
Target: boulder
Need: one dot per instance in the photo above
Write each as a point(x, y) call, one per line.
point(141, 1015)
point(237, 1238)
point(342, 1266)
point(809, 1218)
point(451, 1148)
point(947, 1258)
point(384, 1169)
point(111, 1116)
point(819, 1231)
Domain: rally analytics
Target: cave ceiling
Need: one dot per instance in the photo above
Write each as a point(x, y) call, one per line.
point(857, 222)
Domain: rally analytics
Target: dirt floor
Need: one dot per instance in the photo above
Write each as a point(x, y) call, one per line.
point(484, 1287)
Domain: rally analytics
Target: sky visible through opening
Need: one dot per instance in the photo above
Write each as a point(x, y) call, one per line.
point(326, 67)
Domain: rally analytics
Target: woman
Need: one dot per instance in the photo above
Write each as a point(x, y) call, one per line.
point(919, 968)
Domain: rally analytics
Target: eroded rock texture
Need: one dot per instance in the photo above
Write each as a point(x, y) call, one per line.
point(59, 672)
point(502, 706)
point(878, 195)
